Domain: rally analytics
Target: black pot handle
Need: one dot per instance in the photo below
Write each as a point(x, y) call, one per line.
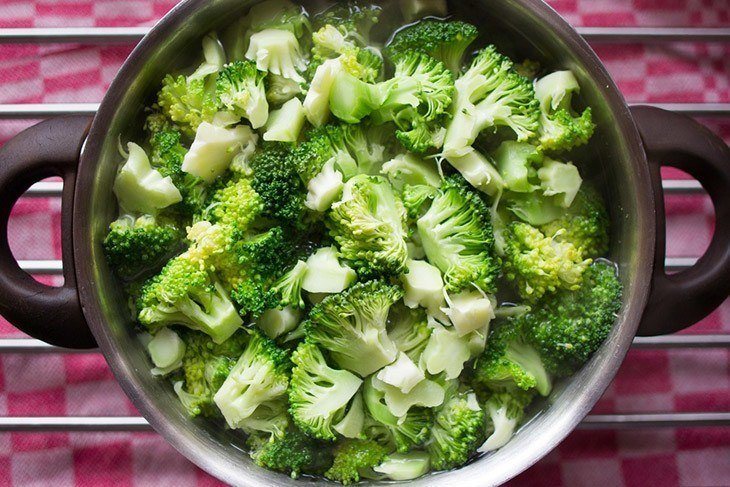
point(51, 314)
point(680, 300)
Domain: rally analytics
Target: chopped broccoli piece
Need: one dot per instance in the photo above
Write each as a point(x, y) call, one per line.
point(469, 311)
point(411, 170)
point(326, 274)
point(458, 430)
point(280, 90)
point(289, 287)
point(319, 394)
point(261, 375)
point(355, 459)
point(214, 149)
point(133, 247)
point(570, 327)
point(276, 322)
point(166, 350)
point(404, 466)
point(538, 264)
point(515, 162)
point(478, 171)
point(294, 454)
point(561, 128)
point(369, 225)
point(187, 102)
point(425, 392)
point(446, 41)
point(286, 123)
point(236, 204)
point(277, 51)
point(353, 18)
point(445, 351)
point(457, 236)
point(352, 326)
point(409, 331)
point(278, 14)
point(491, 94)
point(241, 89)
point(423, 286)
point(505, 411)
point(560, 180)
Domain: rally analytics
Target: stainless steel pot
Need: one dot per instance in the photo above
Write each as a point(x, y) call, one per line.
point(90, 308)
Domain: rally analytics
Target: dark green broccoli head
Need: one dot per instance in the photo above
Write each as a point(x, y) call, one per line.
point(456, 234)
point(135, 247)
point(569, 327)
point(459, 428)
point(355, 459)
point(352, 326)
point(293, 454)
point(446, 41)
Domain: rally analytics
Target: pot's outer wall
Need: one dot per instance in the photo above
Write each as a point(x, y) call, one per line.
point(533, 30)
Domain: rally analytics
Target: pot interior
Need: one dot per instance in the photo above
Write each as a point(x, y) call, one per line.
point(521, 29)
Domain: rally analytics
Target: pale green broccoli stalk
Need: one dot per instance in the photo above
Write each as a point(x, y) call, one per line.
point(560, 180)
point(479, 171)
point(410, 169)
point(241, 90)
point(585, 224)
point(353, 423)
point(511, 362)
point(404, 466)
point(214, 57)
point(446, 41)
point(293, 454)
point(352, 326)
point(516, 162)
point(369, 225)
point(214, 149)
point(270, 419)
point(406, 432)
point(409, 330)
point(426, 393)
point(261, 375)
point(319, 394)
point(277, 51)
point(325, 188)
point(571, 326)
point(288, 288)
point(141, 189)
point(277, 322)
point(134, 247)
point(185, 294)
point(446, 352)
point(504, 413)
point(458, 430)
point(286, 123)
point(423, 286)
point(561, 128)
point(187, 102)
point(166, 351)
point(533, 208)
point(326, 274)
point(280, 90)
point(488, 95)
point(353, 18)
point(457, 236)
point(538, 264)
point(355, 459)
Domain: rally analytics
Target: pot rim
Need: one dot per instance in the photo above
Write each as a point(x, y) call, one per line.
point(193, 448)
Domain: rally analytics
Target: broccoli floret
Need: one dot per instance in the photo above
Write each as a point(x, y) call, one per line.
point(353, 18)
point(187, 102)
point(456, 234)
point(585, 224)
point(369, 224)
point(286, 123)
point(288, 288)
point(319, 394)
point(505, 411)
point(236, 204)
point(459, 427)
point(355, 459)
point(331, 42)
point(280, 90)
point(510, 362)
point(516, 163)
point(409, 330)
point(134, 247)
point(490, 94)
point(186, 294)
point(352, 326)
point(538, 264)
point(277, 51)
point(206, 365)
point(215, 147)
point(293, 454)
point(561, 128)
point(406, 432)
point(140, 188)
point(241, 90)
point(569, 327)
point(261, 375)
point(276, 180)
point(446, 41)
point(409, 169)
point(404, 466)
point(560, 180)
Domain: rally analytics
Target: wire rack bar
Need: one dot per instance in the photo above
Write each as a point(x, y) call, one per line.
point(133, 423)
point(130, 35)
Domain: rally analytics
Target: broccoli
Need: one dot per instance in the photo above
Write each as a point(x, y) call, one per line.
point(561, 128)
point(326, 274)
point(355, 459)
point(277, 51)
point(276, 180)
point(352, 326)
point(423, 286)
point(491, 94)
point(141, 189)
point(511, 362)
point(354, 18)
point(417, 199)
point(409, 331)
point(261, 375)
point(277, 322)
point(406, 432)
point(286, 123)
point(187, 102)
point(538, 264)
point(570, 327)
point(414, 9)
point(133, 247)
point(559, 180)
point(405, 376)
point(369, 225)
point(278, 14)
point(479, 172)
point(515, 162)
point(469, 311)
point(280, 90)
point(241, 90)
point(446, 41)
point(236, 204)
point(458, 430)
point(215, 148)
point(505, 411)
point(410, 170)
point(445, 351)
point(404, 466)
point(206, 365)
point(288, 288)
point(293, 454)
point(585, 224)
point(185, 294)
point(214, 57)
point(318, 394)
point(335, 42)
point(166, 350)
point(457, 236)
point(353, 422)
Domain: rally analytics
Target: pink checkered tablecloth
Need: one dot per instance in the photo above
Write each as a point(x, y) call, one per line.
point(649, 381)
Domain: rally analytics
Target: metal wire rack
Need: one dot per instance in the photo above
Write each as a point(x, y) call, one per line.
point(129, 35)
